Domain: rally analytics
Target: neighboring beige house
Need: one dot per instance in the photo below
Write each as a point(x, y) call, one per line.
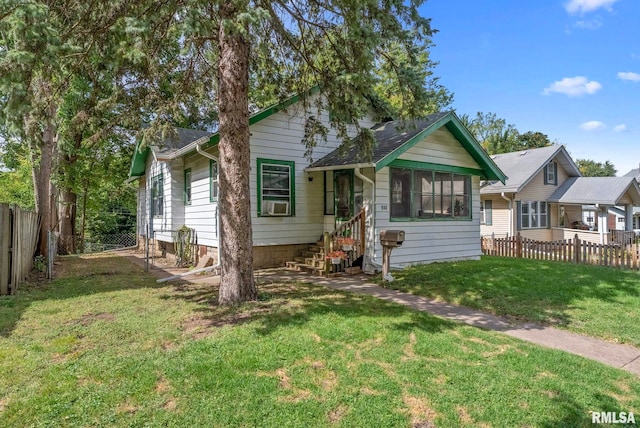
point(545, 196)
point(636, 210)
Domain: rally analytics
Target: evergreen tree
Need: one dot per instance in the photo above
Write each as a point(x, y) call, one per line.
point(71, 71)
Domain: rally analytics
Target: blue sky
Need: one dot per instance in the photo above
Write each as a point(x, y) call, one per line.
point(569, 69)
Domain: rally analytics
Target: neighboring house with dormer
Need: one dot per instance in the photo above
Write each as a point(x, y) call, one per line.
point(636, 210)
point(423, 177)
point(545, 198)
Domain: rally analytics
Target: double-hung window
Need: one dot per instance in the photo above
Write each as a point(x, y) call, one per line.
point(276, 188)
point(533, 214)
point(187, 186)
point(213, 180)
point(157, 196)
point(486, 212)
point(425, 194)
point(551, 173)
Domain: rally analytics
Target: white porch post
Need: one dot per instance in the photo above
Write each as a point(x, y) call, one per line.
point(602, 223)
point(628, 217)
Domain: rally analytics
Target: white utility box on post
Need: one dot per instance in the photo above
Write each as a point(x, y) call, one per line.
point(389, 239)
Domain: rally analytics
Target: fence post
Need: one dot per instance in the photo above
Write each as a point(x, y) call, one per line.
point(519, 245)
point(146, 249)
point(494, 251)
point(5, 245)
point(576, 249)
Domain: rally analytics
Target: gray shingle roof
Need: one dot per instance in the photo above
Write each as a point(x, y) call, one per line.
point(520, 167)
point(184, 137)
point(596, 190)
point(389, 136)
point(633, 173)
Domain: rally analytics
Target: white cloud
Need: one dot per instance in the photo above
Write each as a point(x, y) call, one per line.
point(628, 75)
point(586, 6)
point(573, 86)
point(593, 24)
point(620, 128)
point(592, 125)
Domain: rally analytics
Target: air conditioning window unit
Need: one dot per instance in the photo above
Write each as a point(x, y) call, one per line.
point(278, 207)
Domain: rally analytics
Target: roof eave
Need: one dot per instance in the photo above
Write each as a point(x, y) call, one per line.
point(337, 167)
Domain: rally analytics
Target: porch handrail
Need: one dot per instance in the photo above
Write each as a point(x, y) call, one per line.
point(353, 228)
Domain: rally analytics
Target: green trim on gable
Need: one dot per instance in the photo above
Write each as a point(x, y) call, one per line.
point(139, 161)
point(402, 163)
point(489, 170)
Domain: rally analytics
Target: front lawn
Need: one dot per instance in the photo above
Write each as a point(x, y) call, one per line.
point(104, 345)
point(597, 301)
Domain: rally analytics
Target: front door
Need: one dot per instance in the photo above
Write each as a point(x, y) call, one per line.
point(348, 195)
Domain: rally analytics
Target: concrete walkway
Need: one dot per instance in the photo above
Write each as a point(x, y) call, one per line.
point(620, 356)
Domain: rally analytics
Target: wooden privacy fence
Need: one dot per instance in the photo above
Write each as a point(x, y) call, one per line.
point(569, 250)
point(18, 239)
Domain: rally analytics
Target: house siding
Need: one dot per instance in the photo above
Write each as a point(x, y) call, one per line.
point(443, 148)
point(500, 218)
point(277, 137)
point(160, 225)
point(201, 214)
point(536, 190)
point(431, 240)
point(142, 207)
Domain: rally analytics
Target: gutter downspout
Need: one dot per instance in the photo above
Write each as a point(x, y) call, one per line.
point(217, 265)
point(371, 261)
point(510, 201)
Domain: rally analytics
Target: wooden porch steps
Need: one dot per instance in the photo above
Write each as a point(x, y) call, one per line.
point(311, 260)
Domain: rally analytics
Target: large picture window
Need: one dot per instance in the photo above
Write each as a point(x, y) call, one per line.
point(157, 196)
point(533, 214)
point(427, 194)
point(276, 188)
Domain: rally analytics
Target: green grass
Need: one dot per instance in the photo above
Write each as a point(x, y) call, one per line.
point(592, 300)
point(105, 345)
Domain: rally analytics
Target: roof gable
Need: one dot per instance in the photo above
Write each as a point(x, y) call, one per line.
point(395, 138)
point(523, 166)
point(596, 190)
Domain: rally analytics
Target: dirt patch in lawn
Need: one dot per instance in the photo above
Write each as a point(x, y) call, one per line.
point(420, 410)
point(336, 415)
point(90, 318)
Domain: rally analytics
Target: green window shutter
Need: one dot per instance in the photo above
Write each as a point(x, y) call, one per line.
point(555, 173)
point(546, 174)
point(548, 216)
point(488, 213)
point(519, 215)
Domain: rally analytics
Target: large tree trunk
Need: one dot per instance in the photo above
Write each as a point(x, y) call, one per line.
point(236, 244)
point(42, 156)
point(67, 213)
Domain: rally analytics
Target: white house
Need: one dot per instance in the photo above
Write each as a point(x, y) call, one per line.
point(423, 178)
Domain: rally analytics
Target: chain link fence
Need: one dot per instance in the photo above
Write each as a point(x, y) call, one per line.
point(108, 242)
